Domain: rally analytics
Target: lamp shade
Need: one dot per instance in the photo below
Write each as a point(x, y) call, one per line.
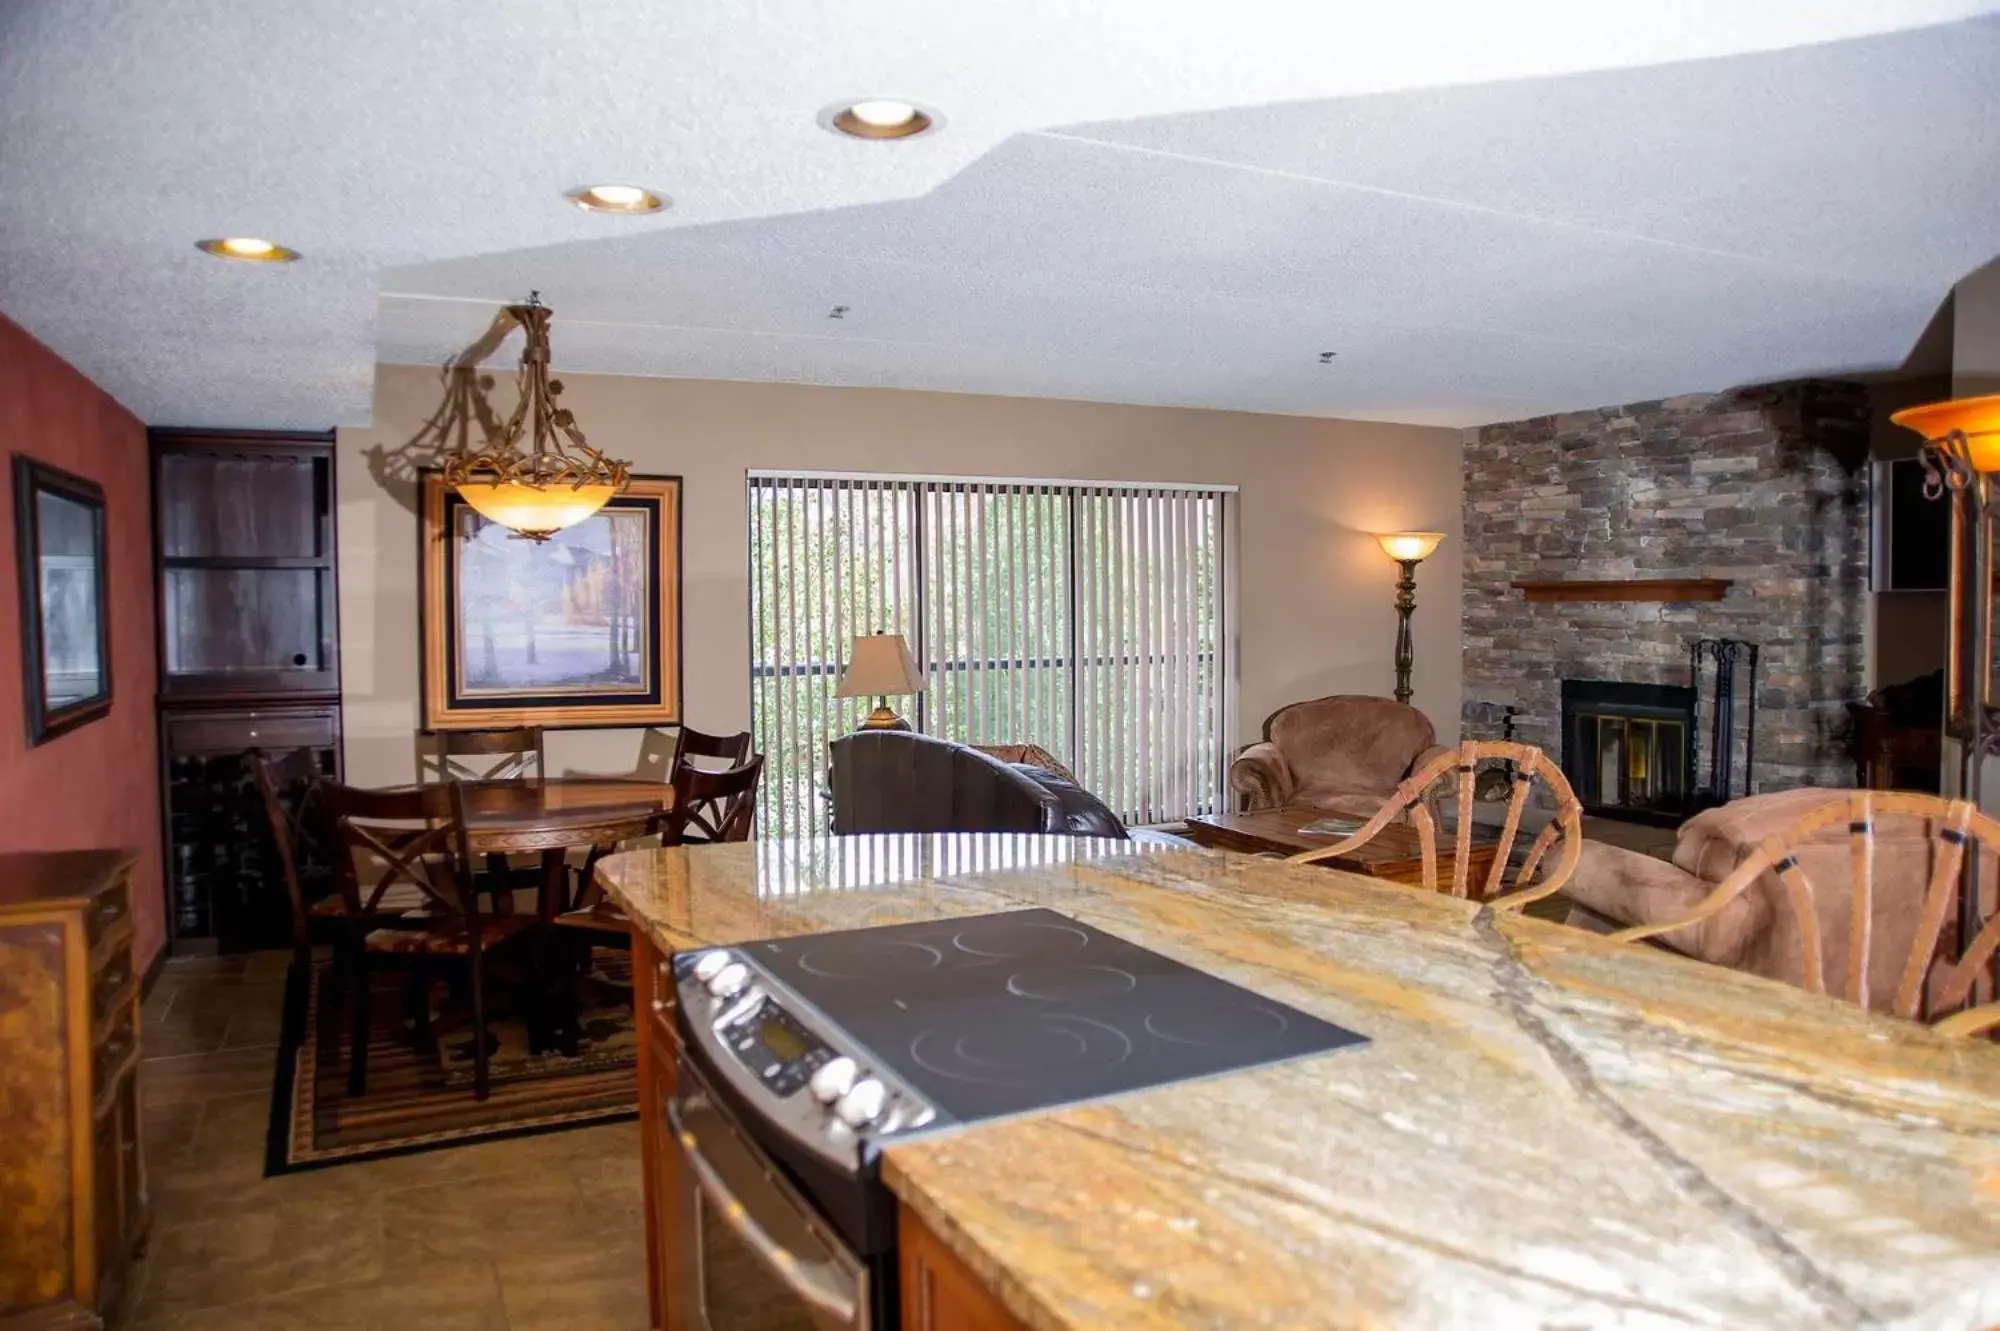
point(535, 511)
point(879, 666)
point(1411, 545)
point(1977, 418)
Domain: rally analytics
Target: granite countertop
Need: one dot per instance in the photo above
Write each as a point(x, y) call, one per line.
point(1547, 1129)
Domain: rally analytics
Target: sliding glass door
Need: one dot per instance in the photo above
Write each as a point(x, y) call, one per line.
point(1088, 620)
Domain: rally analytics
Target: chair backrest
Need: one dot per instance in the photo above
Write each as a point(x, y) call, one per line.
point(901, 781)
point(710, 805)
point(1350, 741)
point(1930, 983)
point(729, 750)
point(483, 755)
point(1449, 778)
point(273, 775)
point(417, 836)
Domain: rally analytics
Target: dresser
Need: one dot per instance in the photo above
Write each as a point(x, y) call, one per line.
point(72, 1179)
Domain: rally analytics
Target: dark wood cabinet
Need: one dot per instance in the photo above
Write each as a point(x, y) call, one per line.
point(249, 648)
point(72, 1164)
point(248, 600)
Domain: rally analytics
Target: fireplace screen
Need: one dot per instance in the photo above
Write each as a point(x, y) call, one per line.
point(1640, 760)
point(1628, 749)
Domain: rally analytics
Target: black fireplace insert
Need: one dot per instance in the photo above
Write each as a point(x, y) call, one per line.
point(1629, 749)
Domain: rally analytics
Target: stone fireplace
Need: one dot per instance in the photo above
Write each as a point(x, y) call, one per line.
point(1764, 489)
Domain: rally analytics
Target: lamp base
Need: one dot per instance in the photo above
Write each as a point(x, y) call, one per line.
point(883, 718)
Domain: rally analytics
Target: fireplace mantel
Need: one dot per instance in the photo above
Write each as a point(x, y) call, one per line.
point(1625, 589)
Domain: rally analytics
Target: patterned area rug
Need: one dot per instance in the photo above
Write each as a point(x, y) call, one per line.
point(421, 1099)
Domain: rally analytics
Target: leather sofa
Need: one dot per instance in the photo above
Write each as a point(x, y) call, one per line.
point(1345, 754)
point(901, 781)
point(1758, 931)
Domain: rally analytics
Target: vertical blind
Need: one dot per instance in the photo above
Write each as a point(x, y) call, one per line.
point(1086, 619)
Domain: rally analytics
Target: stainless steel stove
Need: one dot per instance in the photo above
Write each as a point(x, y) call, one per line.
point(812, 1053)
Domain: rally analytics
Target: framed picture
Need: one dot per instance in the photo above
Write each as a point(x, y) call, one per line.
point(583, 629)
point(65, 620)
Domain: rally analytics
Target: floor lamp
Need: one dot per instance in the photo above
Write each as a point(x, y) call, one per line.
point(1960, 454)
point(1408, 548)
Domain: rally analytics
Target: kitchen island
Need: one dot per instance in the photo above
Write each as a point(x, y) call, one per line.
point(1545, 1129)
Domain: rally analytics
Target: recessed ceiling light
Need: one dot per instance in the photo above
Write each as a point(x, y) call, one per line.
point(248, 249)
point(878, 118)
point(616, 199)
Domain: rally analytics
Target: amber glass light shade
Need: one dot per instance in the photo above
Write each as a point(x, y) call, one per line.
point(1412, 545)
point(535, 512)
point(1977, 418)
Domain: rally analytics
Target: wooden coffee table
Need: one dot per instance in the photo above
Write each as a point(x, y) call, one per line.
point(1394, 853)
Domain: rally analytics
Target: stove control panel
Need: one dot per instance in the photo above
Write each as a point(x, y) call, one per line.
point(815, 1082)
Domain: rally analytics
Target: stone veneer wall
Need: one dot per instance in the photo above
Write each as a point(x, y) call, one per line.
point(1766, 487)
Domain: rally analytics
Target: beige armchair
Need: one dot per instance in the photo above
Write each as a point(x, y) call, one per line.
point(1344, 754)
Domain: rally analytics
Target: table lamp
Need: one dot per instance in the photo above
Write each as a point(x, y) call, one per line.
point(1408, 548)
point(879, 666)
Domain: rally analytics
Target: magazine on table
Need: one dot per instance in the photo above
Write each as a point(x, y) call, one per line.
point(1332, 827)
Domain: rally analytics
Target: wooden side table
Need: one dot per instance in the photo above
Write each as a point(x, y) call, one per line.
point(1394, 854)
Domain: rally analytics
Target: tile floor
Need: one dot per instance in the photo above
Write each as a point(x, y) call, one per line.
point(1655, 841)
point(532, 1234)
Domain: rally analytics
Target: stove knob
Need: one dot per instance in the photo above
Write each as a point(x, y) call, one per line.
point(710, 964)
point(833, 1079)
point(862, 1105)
point(729, 981)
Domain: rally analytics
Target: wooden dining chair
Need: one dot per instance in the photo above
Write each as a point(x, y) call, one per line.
point(1972, 1022)
point(417, 839)
point(1929, 984)
point(517, 754)
point(708, 807)
point(274, 776)
point(730, 750)
point(1448, 778)
point(484, 755)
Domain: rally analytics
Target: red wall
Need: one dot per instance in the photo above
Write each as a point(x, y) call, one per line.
point(97, 785)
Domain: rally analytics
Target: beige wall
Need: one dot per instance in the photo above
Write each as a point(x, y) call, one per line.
point(1316, 593)
point(1975, 340)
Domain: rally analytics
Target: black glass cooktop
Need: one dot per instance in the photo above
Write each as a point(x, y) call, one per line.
point(999, 1014)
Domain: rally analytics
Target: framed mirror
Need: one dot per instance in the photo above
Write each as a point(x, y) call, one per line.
point(65, 630)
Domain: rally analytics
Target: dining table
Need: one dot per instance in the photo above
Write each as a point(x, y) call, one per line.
point(552, 816)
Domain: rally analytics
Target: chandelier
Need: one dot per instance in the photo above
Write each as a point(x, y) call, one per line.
point(534, 475)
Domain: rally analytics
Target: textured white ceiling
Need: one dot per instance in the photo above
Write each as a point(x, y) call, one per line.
point(1487, 211)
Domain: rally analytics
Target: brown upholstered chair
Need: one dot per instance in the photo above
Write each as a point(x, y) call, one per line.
point(1345, 754)
point(1757, 929)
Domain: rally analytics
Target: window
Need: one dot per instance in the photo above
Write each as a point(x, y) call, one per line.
point(1088, 619)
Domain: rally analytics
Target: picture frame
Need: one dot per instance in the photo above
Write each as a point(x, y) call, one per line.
point(580, 631)
point(59, 551)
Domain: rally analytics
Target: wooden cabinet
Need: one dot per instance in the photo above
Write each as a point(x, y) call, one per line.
point(659, 1051)
point(939, 1291)
point(249, 658)
point(73, 1206)
point(244, 527)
